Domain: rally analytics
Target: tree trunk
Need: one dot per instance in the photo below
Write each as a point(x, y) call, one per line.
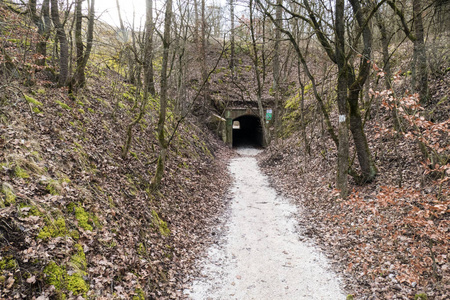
point(43, 23)
point(302, 109)
point(203, 57)
point(148, 59)
point(82, 57)
point(276, 70)
point(79, 74)
point(343, 148)
point(386, 64)
point(156, 180)
point(420, 74)
point(368, 169)
point(196, 35)
point(232, 45)
point(64, 48)
point(259, 82)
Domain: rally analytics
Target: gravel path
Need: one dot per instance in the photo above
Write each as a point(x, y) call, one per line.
point(260, 255)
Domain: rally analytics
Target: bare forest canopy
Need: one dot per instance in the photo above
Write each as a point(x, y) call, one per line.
point(108, 137)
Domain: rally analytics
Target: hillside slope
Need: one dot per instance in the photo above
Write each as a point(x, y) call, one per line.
point(77, 219)
point(390, 237)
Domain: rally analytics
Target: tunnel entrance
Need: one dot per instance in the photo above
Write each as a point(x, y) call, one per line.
point(247, 131)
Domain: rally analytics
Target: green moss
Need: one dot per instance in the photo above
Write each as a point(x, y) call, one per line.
point(78, 260)
point(32, 100)
point(421, 296)
point(160, 224)
point(133, 154)
point(32, 211)
point(140, 295)
point(53, 229)
point(81, 111)
point(7, 263)
point(22, 165)
point(91, 110)
point(112, 244)
point(74, 234)
point(128, 97)
point(9, 196)
point(83, 218)
point(41, 91)
point(111, 202)
point(64, 178)
point(76, 284)
point(141, 249)
point(63, 105)
point(60, 278)
point(36, 110)
point(21, 173)
point(54, 187)
point(55, 275)
point(36, 155)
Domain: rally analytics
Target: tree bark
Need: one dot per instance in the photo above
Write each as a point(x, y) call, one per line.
point(148, 59)
point(420, 74)
point(203, 57)
point(276, 70)
point(82, 55)
point(78, 41)
point(368, 169)
point(259, 82)
point(63, 45)
point(343, 148)
point(232, 42)
point(420, 66)
point(43, 23)
point(386, 63)
point(196, 25)
point(156, 180)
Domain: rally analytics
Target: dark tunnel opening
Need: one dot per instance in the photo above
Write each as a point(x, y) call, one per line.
point(247, 131)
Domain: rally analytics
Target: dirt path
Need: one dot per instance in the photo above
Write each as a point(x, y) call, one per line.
point(260, 255)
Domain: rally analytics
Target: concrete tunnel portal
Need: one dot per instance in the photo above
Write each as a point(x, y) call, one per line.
point(247, 131)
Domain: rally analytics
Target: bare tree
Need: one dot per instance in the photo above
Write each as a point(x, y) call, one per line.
point(416, 35)
point(79, 78)
point(259, 74)
point(43, 23)
point(163, 143)
point(203, 56)
point(276, 69)
point(64, 48)
point(343, 148)
point(148, 59)
point(232, 36)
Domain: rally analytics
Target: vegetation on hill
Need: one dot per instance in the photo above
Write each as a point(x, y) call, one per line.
point(78, 218)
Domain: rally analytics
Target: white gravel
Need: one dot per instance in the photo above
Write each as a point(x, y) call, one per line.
point(260, 255)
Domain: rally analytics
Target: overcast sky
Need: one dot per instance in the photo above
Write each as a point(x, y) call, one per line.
point(107, 10)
